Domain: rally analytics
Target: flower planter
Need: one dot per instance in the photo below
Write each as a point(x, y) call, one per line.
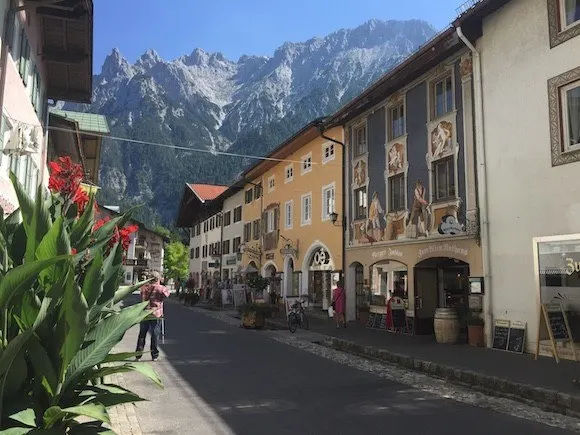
point(253, 320)
point(475, 335)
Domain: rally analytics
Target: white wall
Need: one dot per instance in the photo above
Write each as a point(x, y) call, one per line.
point(195, 263)
point(234, 229)
point(527, 196)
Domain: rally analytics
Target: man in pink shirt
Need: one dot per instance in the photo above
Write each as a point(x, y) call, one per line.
point(154, 293)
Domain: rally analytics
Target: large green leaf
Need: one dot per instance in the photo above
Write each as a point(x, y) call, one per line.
point(119, 357)
point(111, 274)
point(83, 226)
point(22, 277)
point(52, 416)
point(110, 395)
point(26, 416)
point(129, 289)
point(54, 243)
point(11, 354)
point(141, 367)
point(75, 314)
point(16, 431)
point(90, 428)
point(95, 411)
point(103, 337)
point(42, 365)
point(29, 308)
point(15, 376)
point(93, 284)
point(35, 215)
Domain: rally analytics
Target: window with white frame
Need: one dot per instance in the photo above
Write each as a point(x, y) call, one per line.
point(569, 13)
point(397, 193)
point(359, 140)
point(360, 203)
point(441, 96)
point(328, 201)
point(288, 214)
point(306, 165)
point(570, 104)
point(306, 216)
point(270, 221)
point(328, 152)
point(271, 183)
point(396, 121)
point(289, 172)
point(444, 179)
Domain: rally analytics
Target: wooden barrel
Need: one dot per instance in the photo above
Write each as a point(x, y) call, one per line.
point(446, 325)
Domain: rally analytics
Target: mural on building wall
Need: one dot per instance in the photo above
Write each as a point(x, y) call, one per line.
point(396, 158)
point(441, 139)
point(419, 222)
point(360, 174)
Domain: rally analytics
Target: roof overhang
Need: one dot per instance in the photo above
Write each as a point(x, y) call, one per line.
point(193, 210)
point(66, 28)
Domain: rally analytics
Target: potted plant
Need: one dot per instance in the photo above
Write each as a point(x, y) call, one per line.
point(254, 315)
point(258, 284)
point(363, 314)
point(475, 329)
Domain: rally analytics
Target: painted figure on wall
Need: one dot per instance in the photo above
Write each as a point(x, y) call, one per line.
point(377, 218)
point(360, 173)
point(396, 158)
point(420, 219)
point(441, 139)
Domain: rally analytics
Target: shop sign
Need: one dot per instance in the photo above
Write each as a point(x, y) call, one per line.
point(572, 266)
point(270, 256)
point(443, 248)
point(288, 250)
point(386, 253)
point(214, 265)
point(231, 260)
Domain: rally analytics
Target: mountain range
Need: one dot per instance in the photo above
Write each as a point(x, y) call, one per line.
point(204, 102)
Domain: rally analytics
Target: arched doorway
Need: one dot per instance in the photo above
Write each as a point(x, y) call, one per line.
point(440, 282)
point(320, 276)
point(362, 298)
point(291, 278)
point(387, 278)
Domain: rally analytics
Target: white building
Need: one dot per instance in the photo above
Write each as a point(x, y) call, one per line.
point(530, 145)
point(233, 229)
point(201, 213)
point(46, 53)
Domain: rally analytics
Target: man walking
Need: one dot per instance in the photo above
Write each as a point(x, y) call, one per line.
point(154, 293)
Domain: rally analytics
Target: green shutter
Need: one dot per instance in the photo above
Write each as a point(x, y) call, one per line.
point(10, 30)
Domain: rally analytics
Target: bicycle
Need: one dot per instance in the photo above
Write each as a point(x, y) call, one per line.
point(297, 317)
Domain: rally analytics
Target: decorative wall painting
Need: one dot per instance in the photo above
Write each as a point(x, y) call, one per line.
point(396, 158)
point(441, 139)
point(360, 174)
point(420, 220)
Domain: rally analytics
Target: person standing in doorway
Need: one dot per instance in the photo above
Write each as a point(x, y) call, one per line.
point(154, 293)
point(339, 304)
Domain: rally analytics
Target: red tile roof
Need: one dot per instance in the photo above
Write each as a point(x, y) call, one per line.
point(206, 192)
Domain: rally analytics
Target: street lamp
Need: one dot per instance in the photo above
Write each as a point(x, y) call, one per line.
point(333, 217)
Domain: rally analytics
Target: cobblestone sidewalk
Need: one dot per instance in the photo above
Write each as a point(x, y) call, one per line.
point(123, 417)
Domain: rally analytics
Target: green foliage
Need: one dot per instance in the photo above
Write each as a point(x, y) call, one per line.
point(257, 282)
point(260, 309)
point(60, 319)
point(176, 261)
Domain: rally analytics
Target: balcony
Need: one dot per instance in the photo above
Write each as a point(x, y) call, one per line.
point(270, 240)
point(140, 243)
point(139, 262)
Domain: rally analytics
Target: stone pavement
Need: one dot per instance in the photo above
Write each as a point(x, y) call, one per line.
point(123, 417)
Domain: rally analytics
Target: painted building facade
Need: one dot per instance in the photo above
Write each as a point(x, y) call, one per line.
point(289, 235)
point(39, 61)
point(411, 199)
point(232, 233)
point(531, 124)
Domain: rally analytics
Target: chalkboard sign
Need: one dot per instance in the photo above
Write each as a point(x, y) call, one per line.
point(517, 337)
point(377, 323)
point(501, 331)
point(558, 325)
point(399, 318)
point(410, 329)
point(383, 324)
point(371, 320)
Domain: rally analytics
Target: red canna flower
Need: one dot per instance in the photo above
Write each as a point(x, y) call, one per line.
point(81, 199)
point(125, 234)
point(98, 224)
point(73, 251)
point(65, 176)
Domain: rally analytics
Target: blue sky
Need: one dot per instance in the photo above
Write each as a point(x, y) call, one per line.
point(176, 27)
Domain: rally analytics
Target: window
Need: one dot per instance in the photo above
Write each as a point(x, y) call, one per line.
point(198, 229)
point(327, 201)
point(227, 218)
point(306, 217)
point(211, 223)
point(288, 217)
point(271, 183)
point(4, 127)
point(204, 249)
point(24, 57)
point(237, 214)
point(226, 247)
point(306, 163)
point(256, 231)
point(197, 252)
point(247, 232)
point(360, 140)
point(205, 226)
point(237, 243)
point(570, 103)
point(360, 207)
point(218, 221)
point(289, 173)
point(249, 196)
point(270, 221)
point(396, 121)
point(397, 193)
point(258, 191)
point(327, 152)
point(191, 253)
point(444, 173)
point(442, 96)
point(570, 13)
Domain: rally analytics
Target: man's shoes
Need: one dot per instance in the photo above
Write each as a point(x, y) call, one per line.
point(154, 358)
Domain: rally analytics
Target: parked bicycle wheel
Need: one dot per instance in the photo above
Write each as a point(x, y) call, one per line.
point(293, 322)
point(304, 321)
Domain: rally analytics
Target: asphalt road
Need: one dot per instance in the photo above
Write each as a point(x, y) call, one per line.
point(220, 379)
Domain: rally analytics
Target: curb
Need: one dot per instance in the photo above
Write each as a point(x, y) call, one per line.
point(546, 399)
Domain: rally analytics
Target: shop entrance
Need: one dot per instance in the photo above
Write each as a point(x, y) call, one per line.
point(320, 279)
point(440, 283)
